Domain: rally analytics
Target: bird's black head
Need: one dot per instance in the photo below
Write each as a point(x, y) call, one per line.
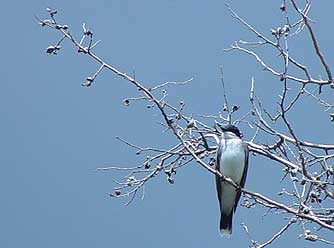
point(232, 129)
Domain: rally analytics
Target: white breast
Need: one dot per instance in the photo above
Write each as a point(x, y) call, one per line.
point(232, 159)
point(232, 162)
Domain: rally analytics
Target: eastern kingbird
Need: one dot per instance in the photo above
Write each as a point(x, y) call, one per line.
point(232, 162)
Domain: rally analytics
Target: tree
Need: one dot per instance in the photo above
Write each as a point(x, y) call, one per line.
point(307, 167)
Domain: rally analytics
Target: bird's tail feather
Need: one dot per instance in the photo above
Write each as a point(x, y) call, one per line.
point(226, 224)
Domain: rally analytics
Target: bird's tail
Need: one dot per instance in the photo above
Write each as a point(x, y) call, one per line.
point(226, 224)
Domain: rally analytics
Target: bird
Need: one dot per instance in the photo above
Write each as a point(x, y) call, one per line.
point(231, 161)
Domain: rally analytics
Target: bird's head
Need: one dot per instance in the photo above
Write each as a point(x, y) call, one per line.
point(232, 129)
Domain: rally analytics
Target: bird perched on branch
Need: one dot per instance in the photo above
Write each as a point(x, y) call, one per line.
point(232, 162)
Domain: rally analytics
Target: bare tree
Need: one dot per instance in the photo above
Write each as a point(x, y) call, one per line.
point(308, 167)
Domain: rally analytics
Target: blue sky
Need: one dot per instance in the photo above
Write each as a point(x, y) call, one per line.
point(54, 132)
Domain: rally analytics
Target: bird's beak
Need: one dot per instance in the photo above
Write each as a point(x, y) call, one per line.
point(221, 126)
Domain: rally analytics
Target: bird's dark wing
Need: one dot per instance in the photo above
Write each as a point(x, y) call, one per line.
point(244, 175)
point(218, 179)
